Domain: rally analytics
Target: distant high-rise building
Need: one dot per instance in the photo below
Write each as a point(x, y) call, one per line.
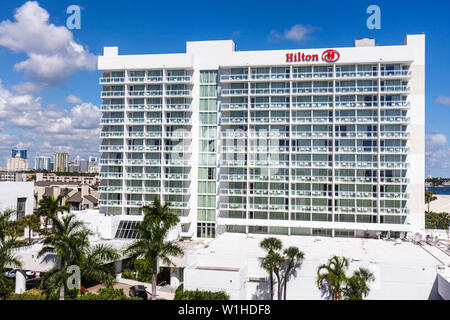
point(21, 153)
point(83, 164)
point(42, 163)
point(16, 164)
point(61, 163)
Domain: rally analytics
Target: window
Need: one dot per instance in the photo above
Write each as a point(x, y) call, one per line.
point(206, 230)
point(21, 205)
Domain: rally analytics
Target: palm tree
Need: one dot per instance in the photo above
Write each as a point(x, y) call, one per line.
point(7, 257)
point(332, 276)
point(49, 207)
point(272, 263)
point(293, 256)
point(68, 239)
point(151, 233)
point(8, 226)
point(357, 286)
point(271, 245)
point(429, 197)
point(31, 222)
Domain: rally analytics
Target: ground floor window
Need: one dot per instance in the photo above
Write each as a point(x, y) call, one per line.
point(206, 230)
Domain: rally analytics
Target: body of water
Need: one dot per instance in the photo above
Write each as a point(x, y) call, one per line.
point(443, 190)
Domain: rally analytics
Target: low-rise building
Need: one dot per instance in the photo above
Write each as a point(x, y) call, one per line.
point(79, 196)
point(51, 177)
point(17, 196)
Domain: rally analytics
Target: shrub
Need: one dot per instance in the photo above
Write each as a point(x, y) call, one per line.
point(128, 274)
point(432, 220)
point(180, 294)
point(6, 287)
point(144, 270)
point(33, 294)
point(106, 294)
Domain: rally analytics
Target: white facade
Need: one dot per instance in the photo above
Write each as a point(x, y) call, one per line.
point(42, 163)
point(16, 164)
point(17, 196)
point(316, 141)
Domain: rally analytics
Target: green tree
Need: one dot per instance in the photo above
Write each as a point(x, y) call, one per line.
point(332, 277)
point(8, 260)
point(272, 263)
point(357, 286)
point(32, 222)
point(271, 245)
point(49, 207)
point(151, 233)
point(8, 226)
point(68, 240)
point(293, 255)
point(429, 197)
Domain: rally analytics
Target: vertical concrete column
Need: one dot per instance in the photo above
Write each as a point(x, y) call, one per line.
point(20, 281)
point(118, 266)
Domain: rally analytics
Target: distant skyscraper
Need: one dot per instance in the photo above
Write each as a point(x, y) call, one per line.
point(61, 163)
point(21, 153)
point(42, 163)
point(16, 164)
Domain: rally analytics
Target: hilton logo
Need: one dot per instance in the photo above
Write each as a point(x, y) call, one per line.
point(327, 56)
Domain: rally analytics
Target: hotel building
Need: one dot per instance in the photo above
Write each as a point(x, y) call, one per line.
point(298, 142)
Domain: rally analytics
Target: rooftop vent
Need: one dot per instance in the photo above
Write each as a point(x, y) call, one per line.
point(365, 42)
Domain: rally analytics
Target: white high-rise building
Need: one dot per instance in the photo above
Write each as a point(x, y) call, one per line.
point(42, 163)
point(16, 164)
point(302, 142)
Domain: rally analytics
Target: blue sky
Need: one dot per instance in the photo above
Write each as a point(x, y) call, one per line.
point(35, 112)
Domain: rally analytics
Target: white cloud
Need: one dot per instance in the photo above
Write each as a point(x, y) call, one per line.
point(52, 53)
point(73, 99)
point(26, 87)
point(24, 121)
point(437, 154)
point(443, 100)
point(296, 33)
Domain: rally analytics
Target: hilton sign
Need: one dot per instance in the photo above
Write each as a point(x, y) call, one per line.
point(327, 56)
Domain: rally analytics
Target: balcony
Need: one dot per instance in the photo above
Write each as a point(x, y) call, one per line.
point(181, 121)
point(111, 175)
point(233, 177)
point(234, 92)
point(110, 203)
point(112, 121)
point(112, 107)
point(144, 148)
point(143, 190)
point(182, 107)
point(233, 120)
point(109, 80)
point(175, 190)
point(177, 176)
point(112, 134)
point(234, 77)
point(141, 162)
point(149, 176)
point(177, 93)
point(178, 78)
point(143, 107)
point(148, 134)
point(398, 88)
point(111, 148)
point(110, 189)
point(106, 94)
point(115, 162)
point(234, 106)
